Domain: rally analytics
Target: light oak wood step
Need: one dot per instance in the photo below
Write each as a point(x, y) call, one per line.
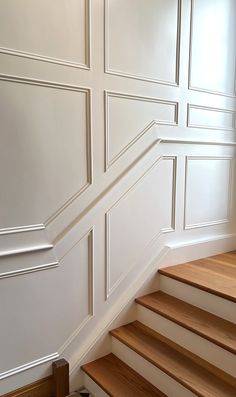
point(192, 372)
point(216, 274)
point(209, 326)
point(119, 380)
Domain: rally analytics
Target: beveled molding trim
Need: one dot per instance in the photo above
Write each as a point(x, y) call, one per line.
point(27, 366)
point(68, 87)
point(21, 229)
point(195, 142)
point(107, 95)
point(210, 109)
point(108, 289)
point(90, 236)
point(28, 270)
point(63, 62)
point(187, 226)
point(26, 250)
point(174, 83)
point(202, 89)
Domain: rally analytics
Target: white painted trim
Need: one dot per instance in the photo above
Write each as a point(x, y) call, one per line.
point(121, 73)
point(189, 243)
point(21, 229)
point(210, 109)
point(109, 290)
point(43, 58)
point(26, 250)
point(91, 313)
point(195, 142)
point(107, 95)
point(27, 270)
point(28, 366)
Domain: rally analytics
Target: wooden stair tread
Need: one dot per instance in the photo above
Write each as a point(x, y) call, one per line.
point(192, 372)
point(207, 325)
point(117, 379)
point(216, 274)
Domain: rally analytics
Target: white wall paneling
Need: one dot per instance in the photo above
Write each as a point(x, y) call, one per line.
point(150, 34)
point(36, 141)
point(80, 260)
point(213, 46)
point(137, 218)
point(30, 365)
point(114, 148)
point(66, 31)
point(130, 117)
point(208, 191)
point(210, 118)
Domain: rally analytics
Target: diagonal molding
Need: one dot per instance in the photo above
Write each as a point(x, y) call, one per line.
point(109, 160)
point(110, 289)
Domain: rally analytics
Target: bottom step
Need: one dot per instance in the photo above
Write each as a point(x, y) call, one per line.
point(118, 380)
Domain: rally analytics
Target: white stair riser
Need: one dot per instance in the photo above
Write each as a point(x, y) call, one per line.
point(194, 343)
point(204, 300)
point(93, 387)
point(151, 373)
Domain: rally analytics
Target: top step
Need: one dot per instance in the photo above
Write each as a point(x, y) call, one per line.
point(216, 274)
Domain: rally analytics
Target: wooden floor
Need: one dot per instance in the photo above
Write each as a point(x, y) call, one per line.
point(216, 274)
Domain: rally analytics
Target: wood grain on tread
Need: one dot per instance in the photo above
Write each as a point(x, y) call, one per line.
point(216, 274)
point(191, 371)
point(119, 380)
point(207, 325)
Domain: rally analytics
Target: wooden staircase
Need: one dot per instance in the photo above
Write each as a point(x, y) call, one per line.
point(183, 343)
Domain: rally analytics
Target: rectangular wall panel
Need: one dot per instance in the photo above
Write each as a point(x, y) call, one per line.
point(138, 217)
point(130, 117)
point(208, 189)
point(210, 118)
point(155, 24)
point(65, 38)
point(213, 46)
point(45, 148)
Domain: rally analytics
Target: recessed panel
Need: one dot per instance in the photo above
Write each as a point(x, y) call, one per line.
point(129, 117)
point(44, 150)
point(142, 39)
point(207, 191)
point(213, 46)
point(206, 117)
point(40, 304)
point(137, 218)
point(53, 31)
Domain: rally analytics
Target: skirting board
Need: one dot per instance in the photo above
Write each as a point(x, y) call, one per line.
point(170, 254)
point(196, 249)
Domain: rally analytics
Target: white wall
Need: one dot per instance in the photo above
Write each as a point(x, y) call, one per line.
point(115, 143)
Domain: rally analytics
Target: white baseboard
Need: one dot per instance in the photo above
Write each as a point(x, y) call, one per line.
point(187, 251)
point(116, 315)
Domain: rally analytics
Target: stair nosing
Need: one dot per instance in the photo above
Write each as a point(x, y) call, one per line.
point(163, 368)
point(185, 325)
point(210, 290)
point(105, 389)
